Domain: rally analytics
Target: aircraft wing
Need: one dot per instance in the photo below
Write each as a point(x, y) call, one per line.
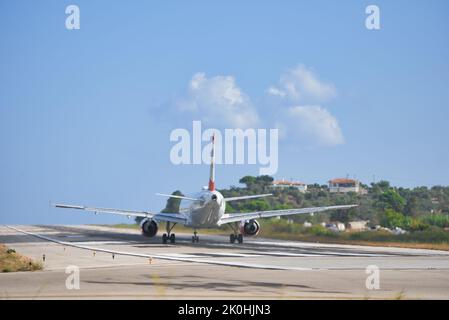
point(168, 217)
point(237, 217)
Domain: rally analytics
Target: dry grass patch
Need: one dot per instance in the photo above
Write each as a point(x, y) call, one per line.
point(11, 261)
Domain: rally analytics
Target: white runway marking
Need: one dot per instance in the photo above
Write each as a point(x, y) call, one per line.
point(181, 255)
point(352, 254)
point(367, 251)
point(74, 236)
point(309, 253)
point(99, 242)
point(289, 254)
point(229, 254)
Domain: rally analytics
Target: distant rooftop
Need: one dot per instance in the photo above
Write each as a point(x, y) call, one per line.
point(343, 180)
point(288, 183)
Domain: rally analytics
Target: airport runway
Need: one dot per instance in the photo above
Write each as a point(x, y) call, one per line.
point(120, 263)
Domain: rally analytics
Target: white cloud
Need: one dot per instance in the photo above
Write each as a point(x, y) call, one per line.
point(302, 117)
point(313, 123)
point(218, 101)
point(276, 92)
point(301, 84)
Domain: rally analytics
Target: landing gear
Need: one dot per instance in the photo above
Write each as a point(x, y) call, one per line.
point(169, 236)
point(233, 237)
point(236, 237)
point(166, 238)
point(195, 237)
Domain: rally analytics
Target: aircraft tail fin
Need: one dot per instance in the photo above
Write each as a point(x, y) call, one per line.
point(212, 166)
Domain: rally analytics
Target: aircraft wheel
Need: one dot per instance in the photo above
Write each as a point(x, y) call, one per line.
point(172, 238)
point(232, 238)
point(240, 238)
point(164, 238)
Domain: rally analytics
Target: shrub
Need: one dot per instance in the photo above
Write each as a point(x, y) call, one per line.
point(393, 219)
point(319, 230)
point(417, 225)
point(439, 220)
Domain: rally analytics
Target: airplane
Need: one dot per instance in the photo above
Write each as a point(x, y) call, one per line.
point(204, 210)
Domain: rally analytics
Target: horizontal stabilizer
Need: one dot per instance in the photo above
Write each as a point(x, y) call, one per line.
point(248, 197)
point(175, 196)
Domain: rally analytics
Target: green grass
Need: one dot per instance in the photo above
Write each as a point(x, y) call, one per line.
point(432, 238)
point(10, 261)
point(124, 226)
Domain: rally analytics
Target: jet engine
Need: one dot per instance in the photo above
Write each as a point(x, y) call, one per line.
point(249, 228)
point(149, 227)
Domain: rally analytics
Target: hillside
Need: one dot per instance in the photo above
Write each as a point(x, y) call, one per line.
point(414, 209)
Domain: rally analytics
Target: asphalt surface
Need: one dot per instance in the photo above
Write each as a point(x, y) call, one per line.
point(120, 263)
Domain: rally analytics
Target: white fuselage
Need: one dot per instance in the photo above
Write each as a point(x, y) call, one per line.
point(205, 212)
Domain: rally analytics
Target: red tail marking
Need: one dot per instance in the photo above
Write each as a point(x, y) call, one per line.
point(211, 185)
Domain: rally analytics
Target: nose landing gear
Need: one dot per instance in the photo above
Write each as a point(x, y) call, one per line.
point(195, 238)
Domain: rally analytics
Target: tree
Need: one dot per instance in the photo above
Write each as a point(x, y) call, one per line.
point(393, 219)
point(257, 184)
point(264, 181)
point(411, 208)
point(342, 215)
point(172, 205)
point(249, 181)
point(390, 199)
point(380, 187)
point(257, 205)
point(384, 185)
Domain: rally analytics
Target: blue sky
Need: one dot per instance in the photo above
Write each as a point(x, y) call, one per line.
point(85, 115)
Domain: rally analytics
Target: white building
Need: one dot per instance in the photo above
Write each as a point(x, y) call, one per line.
point(302, 187)
point(358, 225)
point(340, 226)
point(344, 185)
